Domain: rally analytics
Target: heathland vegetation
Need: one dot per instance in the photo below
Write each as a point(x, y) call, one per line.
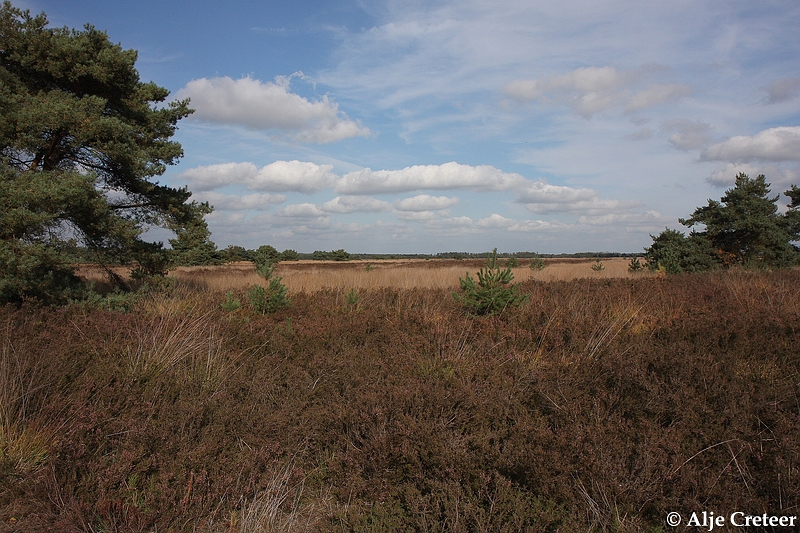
point(193, 389)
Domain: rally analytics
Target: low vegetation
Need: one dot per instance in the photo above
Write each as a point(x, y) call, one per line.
point(601, 405)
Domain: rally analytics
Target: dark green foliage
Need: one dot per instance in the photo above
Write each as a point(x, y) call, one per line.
point(635, 265)
point(274, 297)
point(744, 228)
point(289, 255)
point(512, 262)
point(268, 300)
point(675, 253)
point(193, 246)
point(537, 263)
point(597, 266)
point(81, 141)
point(493, 292)
point(266, 254)
point(333, 255)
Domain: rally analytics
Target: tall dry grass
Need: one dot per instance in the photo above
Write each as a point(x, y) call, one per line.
point(313, 276)
point(24, 444)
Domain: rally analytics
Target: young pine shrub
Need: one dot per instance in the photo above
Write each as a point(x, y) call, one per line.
point(537, 263)
point(269, 299)
point(635, 265)
point(597, 266)
point(493, 291)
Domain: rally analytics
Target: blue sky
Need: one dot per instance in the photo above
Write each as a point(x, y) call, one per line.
point(430, 126)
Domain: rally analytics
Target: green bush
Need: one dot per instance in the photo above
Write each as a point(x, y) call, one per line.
point(267, 299)
point(537, 263)
point(635, 265)
point(493, 291)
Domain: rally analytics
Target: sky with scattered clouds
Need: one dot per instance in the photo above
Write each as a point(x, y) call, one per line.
point(415, 126)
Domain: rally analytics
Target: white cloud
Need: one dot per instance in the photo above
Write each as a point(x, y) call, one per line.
point(775, 144)
point(690, 135)
point(210, 177)
point(540, 192)
point(416, 216)
point(280, 176)
point(656, 95)
point(305, 210)
point(352, 204)
point(424, 202)
point(780, 178)
point(226, 202)
point(447, 176)
point(300, 176)
point(649, 221)
point(495, 221)
point(269, 106)
point(783, 90)
point(590, 90)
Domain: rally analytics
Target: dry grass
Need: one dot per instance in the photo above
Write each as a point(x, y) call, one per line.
point(23, 445)
point(313, 276)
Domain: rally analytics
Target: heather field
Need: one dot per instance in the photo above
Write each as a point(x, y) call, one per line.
point(376, 402)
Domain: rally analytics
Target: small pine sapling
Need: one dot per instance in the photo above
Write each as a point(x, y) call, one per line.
point(597, 266)
point(268, 299)
point(493, 292)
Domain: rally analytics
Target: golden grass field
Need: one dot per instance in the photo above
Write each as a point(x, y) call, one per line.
point(312, 276)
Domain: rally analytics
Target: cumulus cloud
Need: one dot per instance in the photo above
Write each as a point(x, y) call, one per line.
point(495, 221)
point(352, 204)
point(424, 202)
point(229, 202)
point(782, 90)
point(541, 197)
point(447, 176)
point(280, 176)
point(300, 176)
point(210, 177)
point(269, 106)
point(590, 90)
point(775, 144)
point(689, 135)
point(305, 210)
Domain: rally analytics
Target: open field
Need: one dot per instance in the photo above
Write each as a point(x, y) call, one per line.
point(598, 405)
point(311, 276)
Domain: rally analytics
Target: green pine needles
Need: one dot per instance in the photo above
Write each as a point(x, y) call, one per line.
point(267, 300)
point(493, 292)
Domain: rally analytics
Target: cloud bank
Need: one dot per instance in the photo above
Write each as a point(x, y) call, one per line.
point(269, 106)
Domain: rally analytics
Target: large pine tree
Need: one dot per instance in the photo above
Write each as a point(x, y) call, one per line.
point(82, 141)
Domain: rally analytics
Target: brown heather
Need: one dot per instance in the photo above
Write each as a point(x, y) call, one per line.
point(599, 405)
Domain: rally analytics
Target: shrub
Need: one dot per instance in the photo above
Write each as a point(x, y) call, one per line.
point(635, 265)
point(537, 263)
point(268, 300)
point(493, 292)
point(597, 266)
point(231, 304)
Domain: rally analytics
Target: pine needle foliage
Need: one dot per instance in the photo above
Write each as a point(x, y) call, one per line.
point(267, 300)
point(493, 291)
